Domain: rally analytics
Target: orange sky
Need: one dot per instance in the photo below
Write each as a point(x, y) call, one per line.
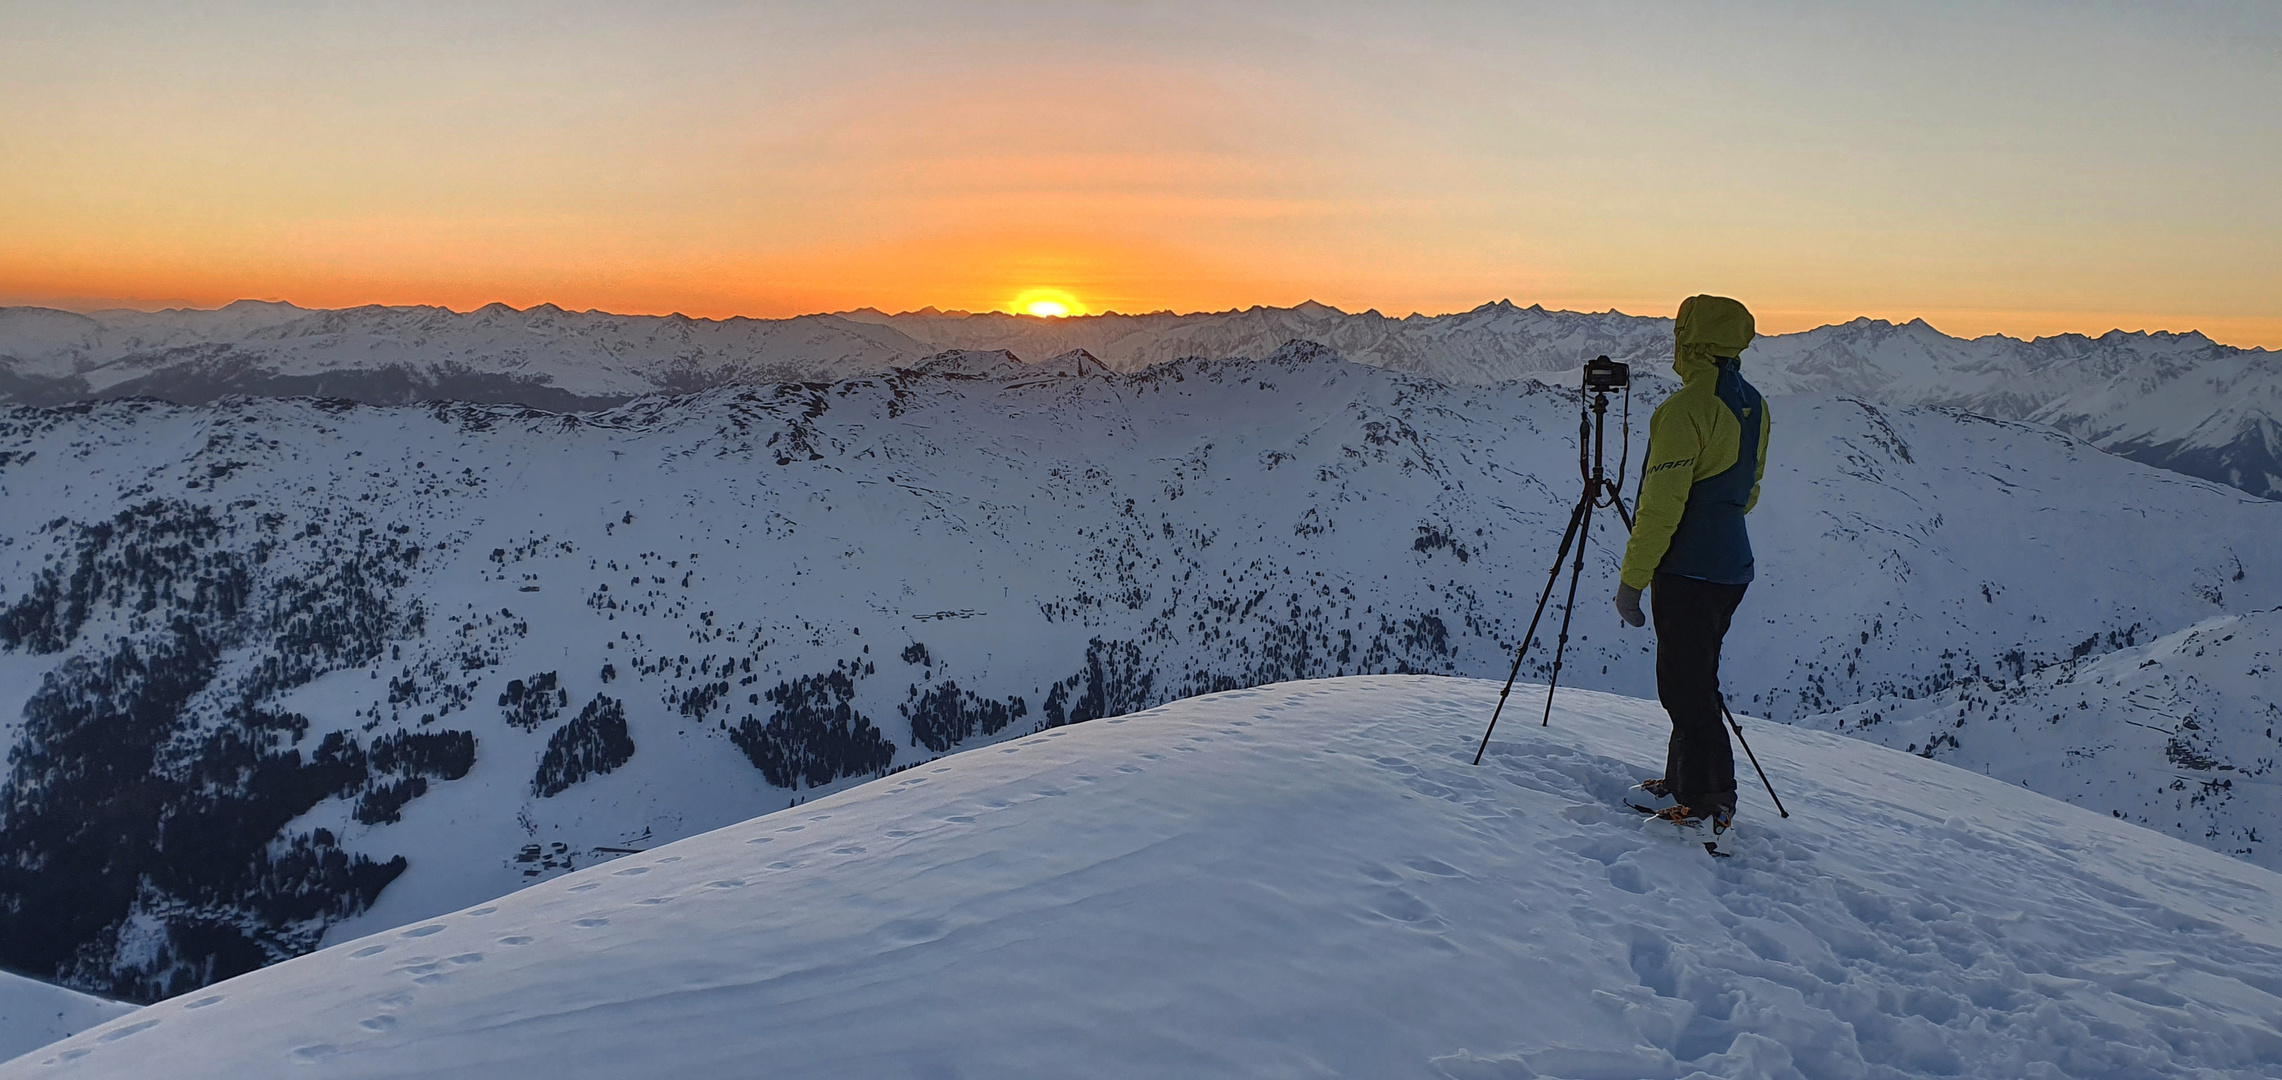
point(2044, 169)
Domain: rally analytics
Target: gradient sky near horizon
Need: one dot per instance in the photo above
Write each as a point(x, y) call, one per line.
point(2023, 168)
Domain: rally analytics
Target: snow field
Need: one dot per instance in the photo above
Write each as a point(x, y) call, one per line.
point(1309, 879)
point(34, 1014)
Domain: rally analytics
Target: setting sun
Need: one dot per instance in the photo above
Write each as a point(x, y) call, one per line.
point(1048, 304)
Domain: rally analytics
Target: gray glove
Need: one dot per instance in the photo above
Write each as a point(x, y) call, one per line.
point(1628, 605)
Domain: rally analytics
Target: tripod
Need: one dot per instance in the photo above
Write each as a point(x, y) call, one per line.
point(1601, 376)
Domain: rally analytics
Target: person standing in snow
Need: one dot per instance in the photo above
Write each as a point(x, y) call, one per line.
point(1707, 450)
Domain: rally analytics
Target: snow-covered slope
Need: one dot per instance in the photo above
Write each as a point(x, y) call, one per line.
point(373, 664)
point(1308, 879)
point(2177, 401)
point(2177, 734)
point(34, 1014)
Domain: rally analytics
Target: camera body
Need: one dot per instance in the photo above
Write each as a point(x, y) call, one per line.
point(1602, 373)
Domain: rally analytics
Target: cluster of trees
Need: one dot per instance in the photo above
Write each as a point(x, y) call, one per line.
point(945, 716)
point(815, 735)
point(594, 743)
point(147, 784)
point(528, 705)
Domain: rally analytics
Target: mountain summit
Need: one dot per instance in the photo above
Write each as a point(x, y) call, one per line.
point(1307, 879)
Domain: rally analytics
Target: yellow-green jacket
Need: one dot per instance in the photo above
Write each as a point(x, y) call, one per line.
point(1707, 450)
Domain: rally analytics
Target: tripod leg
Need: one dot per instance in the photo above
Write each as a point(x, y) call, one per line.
point(1568, 536)
point(1569, 607)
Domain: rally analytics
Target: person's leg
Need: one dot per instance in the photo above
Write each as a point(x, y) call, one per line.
point(1719, 780)
point(1691, 619)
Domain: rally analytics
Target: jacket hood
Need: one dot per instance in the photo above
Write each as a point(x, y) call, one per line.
point(1708, 327)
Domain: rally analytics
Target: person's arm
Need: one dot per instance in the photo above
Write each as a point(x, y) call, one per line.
point(1766, 426)
point(1667, 474)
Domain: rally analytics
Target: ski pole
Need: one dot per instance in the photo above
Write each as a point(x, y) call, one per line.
point(1738, 729)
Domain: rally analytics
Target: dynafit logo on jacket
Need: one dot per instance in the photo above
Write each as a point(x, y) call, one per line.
point(1671, 465)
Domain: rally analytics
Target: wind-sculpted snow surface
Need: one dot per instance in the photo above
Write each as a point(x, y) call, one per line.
point(310, 669)
point(2178, 734)
point(1309, 879)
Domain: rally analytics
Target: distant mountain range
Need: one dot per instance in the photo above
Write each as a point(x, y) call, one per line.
point(2176, 401)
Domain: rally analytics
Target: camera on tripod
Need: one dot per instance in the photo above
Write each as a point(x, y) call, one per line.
point(1602, 373)
point(1601, 376)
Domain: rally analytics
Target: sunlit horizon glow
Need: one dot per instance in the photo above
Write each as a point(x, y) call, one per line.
point(2030, 169)
point(1047, 304)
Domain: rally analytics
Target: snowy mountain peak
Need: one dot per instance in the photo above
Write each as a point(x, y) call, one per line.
point(259, 306)
point(1306, 879)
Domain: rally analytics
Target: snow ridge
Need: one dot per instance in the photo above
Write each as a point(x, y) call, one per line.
point(1308, 878)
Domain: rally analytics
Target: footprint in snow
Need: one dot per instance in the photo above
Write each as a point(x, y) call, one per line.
point(1436, 867)
point(130, 1029)
point(1401, 906)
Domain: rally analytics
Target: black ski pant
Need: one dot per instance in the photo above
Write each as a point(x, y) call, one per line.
point(1691, 620)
